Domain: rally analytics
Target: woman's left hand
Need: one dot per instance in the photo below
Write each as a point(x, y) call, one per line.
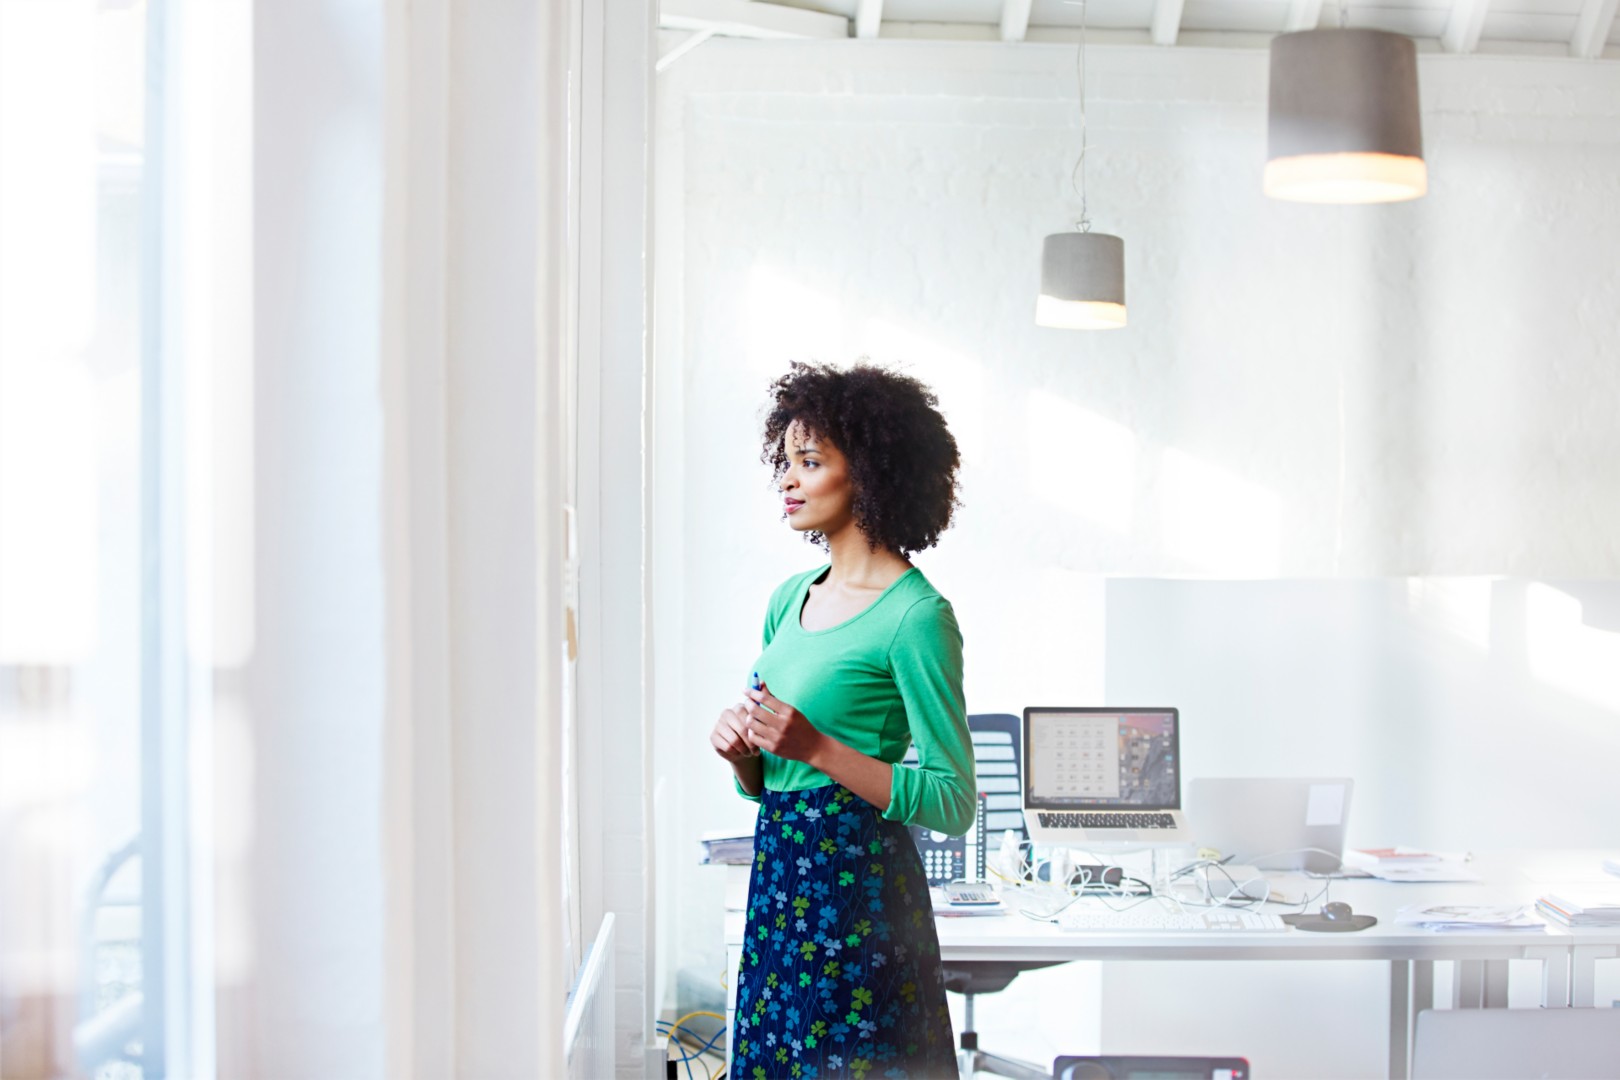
point(780, 728)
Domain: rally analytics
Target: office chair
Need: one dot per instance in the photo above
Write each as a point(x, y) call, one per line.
point(993, 734)
point(986, 977)
point(1481, 1044)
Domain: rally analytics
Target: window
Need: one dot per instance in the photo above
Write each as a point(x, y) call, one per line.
point(88, 967)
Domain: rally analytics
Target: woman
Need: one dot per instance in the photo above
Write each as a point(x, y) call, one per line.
point(840, 971)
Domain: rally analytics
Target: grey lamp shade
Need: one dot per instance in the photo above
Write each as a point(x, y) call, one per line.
point(1344, 124)
point(1082, 282)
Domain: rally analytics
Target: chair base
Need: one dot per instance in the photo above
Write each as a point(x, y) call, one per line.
point(970, 1060)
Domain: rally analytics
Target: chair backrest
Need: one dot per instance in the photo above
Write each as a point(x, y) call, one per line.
point(1481, 1044)
point(998, 759)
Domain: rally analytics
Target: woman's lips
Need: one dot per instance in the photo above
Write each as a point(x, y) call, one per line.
point(792, 504)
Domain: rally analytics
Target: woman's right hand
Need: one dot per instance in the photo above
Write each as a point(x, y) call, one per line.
point(730, 736)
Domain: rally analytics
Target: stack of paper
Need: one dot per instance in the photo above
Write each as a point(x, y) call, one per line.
point(729, 848)
point(1440, 871)
point(1454, 918)
point(1411, 864)
point(1390, 856)
point(1582, 910)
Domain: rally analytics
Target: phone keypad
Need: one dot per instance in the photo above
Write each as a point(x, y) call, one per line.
point(942, 865)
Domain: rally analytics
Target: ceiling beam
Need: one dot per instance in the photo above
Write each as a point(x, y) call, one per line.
point(1303, 15)
point(1166, 21)
point(1015, 19)
point(748, 19)
point(868, 14)
point(1592, 29)
point(1464, 26)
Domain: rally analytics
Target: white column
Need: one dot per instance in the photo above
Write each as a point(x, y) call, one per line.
point(506, 263)
point(617, 863)
point(419, 765)
point(314, 680)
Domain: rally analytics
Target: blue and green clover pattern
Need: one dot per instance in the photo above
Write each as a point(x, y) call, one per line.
point(840, 970)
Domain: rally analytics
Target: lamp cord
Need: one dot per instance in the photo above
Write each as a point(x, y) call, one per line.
point(1077, 177)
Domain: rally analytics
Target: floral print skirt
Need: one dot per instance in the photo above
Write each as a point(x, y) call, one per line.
point(840, 969)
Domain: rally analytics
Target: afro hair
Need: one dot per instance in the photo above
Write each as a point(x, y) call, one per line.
point(902, 458)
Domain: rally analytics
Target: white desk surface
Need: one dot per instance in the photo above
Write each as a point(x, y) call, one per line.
point(1516, 877)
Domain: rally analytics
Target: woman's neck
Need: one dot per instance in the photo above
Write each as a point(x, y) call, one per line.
point(856, 565)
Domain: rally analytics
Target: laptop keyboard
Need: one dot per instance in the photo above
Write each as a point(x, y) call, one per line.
point(1089, 820)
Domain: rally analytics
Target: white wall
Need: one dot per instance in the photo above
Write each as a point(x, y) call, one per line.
point(1304, 392)
point(1472, 714)
point(1383, 389)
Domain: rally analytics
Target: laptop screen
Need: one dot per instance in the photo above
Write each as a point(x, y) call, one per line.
point(1090, 758)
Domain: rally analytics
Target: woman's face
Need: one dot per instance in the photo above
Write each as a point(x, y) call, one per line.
point(816, 489)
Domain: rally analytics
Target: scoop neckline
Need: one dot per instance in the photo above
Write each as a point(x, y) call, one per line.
point(804, 594)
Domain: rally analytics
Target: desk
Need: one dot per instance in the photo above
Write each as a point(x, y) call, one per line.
point(1568, 957)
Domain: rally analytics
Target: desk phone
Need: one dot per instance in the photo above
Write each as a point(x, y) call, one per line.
point(950, 858)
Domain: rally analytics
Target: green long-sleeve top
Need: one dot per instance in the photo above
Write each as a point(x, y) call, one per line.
point(878, 682)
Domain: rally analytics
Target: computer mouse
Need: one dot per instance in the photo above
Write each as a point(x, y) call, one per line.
point(1334, 917)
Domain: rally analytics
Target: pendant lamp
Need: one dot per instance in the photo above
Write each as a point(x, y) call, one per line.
point(1082, 282)
point(1082, 272)
point(1344, 125)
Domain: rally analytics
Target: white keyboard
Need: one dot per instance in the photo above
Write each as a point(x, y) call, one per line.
point(1156, 918)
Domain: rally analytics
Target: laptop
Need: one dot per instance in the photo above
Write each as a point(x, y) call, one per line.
point(1273, 823)
point(1096, 777)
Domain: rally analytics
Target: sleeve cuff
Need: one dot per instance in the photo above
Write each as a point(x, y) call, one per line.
point(896, 811)
point(738, 785)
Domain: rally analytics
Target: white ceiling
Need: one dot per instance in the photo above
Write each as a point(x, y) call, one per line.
point(1582, 28)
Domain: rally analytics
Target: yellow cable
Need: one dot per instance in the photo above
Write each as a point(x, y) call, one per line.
point(675, 1027)
point(699, 1012)
point(674, 1040)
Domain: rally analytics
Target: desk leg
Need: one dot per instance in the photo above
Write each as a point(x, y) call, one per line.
point(1554, 976)
point(1400, 1009)
point(1583, 973)
point(1468, 987)
point(1582, 978)
point(1420, 998)
point(1422, 989)
point(1496, 984)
